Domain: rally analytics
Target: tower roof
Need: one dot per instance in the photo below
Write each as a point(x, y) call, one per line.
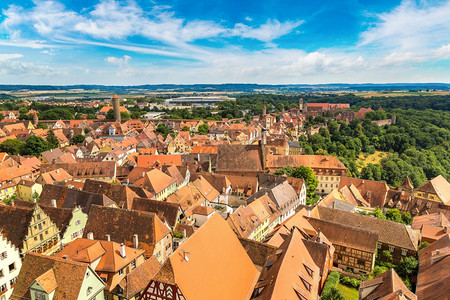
point(115, 96)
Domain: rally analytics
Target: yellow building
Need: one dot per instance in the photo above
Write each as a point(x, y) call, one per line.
point(28, 190)
point(30, 229)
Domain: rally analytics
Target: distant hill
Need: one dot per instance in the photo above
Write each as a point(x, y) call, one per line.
point(246, 88)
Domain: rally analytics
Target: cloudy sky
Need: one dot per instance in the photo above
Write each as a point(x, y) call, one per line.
point(134, 42)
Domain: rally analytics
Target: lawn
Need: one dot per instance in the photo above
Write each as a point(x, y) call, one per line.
point(370, 159)
point(348, 292)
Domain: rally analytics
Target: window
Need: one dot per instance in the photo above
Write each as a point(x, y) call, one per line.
point(40, 226)
point(1, 273)
point(339, 257)
point(12, 282)
point(158, 254)
point(391, 249)
point(379, 245)
point(12, 267)
point(78, 222)
point(3, 288)
point(133, 264)
point(89, 291)
point(360, 262)
point(41, 237)
point(120, 272)
point(38, 216)
point(87, 274)
point(404, 251)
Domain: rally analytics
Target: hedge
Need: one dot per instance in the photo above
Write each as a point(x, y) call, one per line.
point(329, 288)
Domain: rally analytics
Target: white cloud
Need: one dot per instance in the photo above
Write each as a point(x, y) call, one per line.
point(122, 63)
point(9, 56)
point(443, 52)
point(411, 27)
point(266, 32)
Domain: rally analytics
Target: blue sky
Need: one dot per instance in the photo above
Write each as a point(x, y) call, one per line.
point(133, 42)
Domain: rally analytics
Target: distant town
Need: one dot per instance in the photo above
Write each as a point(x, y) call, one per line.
point(177, 194)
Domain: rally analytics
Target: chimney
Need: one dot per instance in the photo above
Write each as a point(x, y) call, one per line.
point(445, 229)
point(135, 241)
point(90, 235)
point(108, 237)
point(309, 212)
point(122, 250)
point(57, 171)
point(53, 202)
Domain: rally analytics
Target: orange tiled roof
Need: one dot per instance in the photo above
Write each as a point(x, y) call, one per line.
point(230, 277)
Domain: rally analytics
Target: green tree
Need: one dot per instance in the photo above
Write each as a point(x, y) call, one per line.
point(41, 126)
point(11, 146)
point(186, 128)
point(333, 294)
point(394, 214)
point(52, 140)
point(162, 129)
point(110, 114)
point(124, 115)
point(135, 115)
point(307, 174)
point(387, 255)
point(408, 266)
point(423, 245)
point(77, 139)
point(34, 145)
point(203, 129)
point(377, 270)
point(406, 218)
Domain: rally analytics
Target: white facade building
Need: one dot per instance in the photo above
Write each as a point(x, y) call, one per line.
point(10, 264)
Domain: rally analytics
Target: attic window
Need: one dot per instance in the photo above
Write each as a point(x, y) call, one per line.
point(309, 270)
point(301, 294)
point(306, 284)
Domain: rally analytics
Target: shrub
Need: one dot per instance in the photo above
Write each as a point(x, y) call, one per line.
point(330, 283)
point(351, 282)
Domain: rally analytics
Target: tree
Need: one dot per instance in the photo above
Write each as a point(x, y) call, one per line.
point(110, 114)
point(387, 255)
point(34, 145)
point(307, 174)
point(135, 115)
point(77, 139)
point(203, 129)
point(162, 129)
point(408, 266)
point(52, 140)
point(186, 128)
point(124, 115)
point(406, 218)
point(423, 245)
point(41, 126)
point(11, 146)
point(333, 294)
point(394, 214)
